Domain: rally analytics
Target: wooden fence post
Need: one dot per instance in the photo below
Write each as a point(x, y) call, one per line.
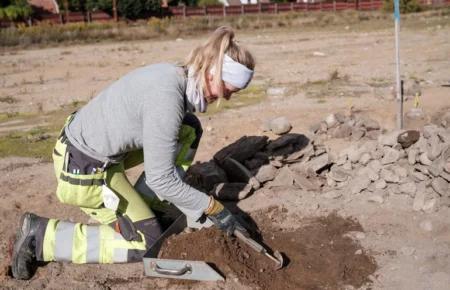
point(184, 11)
point(334, 5)
point(292, 6)
point(224, 11)
point(205, 10)
point(242, 9)
point(276, 8)
point(320, 6)
point(306, 7)
point(259, 7)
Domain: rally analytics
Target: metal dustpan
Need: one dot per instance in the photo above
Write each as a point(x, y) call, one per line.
point(176, 269)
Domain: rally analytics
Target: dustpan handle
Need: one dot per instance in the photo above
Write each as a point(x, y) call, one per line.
point(187, 269)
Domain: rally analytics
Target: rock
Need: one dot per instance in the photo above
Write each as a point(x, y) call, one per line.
point(285, 177)
point(338, 174)
point(358, 252)
point(306, 183)
point(380, 184)
point(277, 163)
point(389, 176)
point(280, 125)
point(430, 130)
point(299, 141)
point(408, 138)
point(408, 188)
point(318, 163)
point(342, 131)
point(323, 127)
point(340, 117)
point(447, 166)
point(256, 163)
point(423, 158)
point(232, 191)
point(370, 124)
point(440, 185)
point(242, 149)
point(334, 194)
point(431, 205)
point(435, 149)
point(426, 226)
point(390, 156)
point(357, 133)
point(373, 134)
point(375, 165)
point(400, 171)
point(436, 168)
point(419, 200)
point(365, 158)
point(205, 175)
point(407, 251)
point(369, 172)
point(418, 176)
point(347, 165)
point(266, 173)
point(276, 91)
point(445, 175)
point(375, 198)
point(331, 121)
point(389, 139)
point(358, 184)
point(412, 156)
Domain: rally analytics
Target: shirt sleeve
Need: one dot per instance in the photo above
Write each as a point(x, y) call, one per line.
point(161, 124)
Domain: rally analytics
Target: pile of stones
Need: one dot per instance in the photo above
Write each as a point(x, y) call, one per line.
point(411, 163)
point(339, 125)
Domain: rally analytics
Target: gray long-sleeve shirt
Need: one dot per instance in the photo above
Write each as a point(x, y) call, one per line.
point(143, 109)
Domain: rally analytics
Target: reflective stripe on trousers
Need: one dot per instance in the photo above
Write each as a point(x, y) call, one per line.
point(79, 243)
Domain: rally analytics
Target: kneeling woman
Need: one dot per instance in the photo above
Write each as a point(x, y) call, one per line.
point(143, 117)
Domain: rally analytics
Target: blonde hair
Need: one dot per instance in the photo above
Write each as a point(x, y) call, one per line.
point(211, 54)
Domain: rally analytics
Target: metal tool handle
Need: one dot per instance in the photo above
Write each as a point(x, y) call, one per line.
point(250, 242)
point(187, 269)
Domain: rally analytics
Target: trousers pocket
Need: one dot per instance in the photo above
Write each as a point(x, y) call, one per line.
point(81, 190)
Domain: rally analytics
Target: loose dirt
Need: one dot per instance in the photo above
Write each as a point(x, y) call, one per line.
point(319, 255)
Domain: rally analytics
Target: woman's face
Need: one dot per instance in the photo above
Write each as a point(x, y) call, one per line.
point(212, 90)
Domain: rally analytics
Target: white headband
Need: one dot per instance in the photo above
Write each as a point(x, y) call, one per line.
point(234, 73)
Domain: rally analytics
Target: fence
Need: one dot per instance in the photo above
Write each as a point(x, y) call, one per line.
point(223, 11)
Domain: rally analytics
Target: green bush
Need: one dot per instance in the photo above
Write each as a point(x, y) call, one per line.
point(208, 2)
point(15, 10)
point(406, 6)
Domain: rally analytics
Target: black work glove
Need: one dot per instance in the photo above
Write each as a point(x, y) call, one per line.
point(223, 218)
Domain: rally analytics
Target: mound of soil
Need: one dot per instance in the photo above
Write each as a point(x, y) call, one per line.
point(319, 254)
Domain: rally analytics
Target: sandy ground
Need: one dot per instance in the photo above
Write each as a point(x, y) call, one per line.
point(46, 79)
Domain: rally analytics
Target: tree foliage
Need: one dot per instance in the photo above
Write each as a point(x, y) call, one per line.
point(406, 6)
point(208, 2)
point(15, 10)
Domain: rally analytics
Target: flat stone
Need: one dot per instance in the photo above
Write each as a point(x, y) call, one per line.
point(357, 133)
point(299, 141)
point(318, 163)
point(365, 158)
point(400, 171)
point(436, 168)
point(368, 147)
point(434, 149)
point(412, 156)
point(242, 149)
point(340, 117)
point(237, 172)
point(431, 205)
point(359, 183)
point(266, 173)
point(430, 130)
point(205, 175)
point(423, 158)
point(408, 188)
point(418, 176)
point(338, 174)
point(342, 131)
point(334, 194)
point(232, 191)
point(314, 128)
point(276, 91)
point(445, 175)
point(419, 200)
point(331, 121)
point(373, 134)
point(347, 165)
point(390, 156)
point(426, 225)
point(371, 124)
point(408, 138)
point(389, 176)
point(369, 172)
point(440, 185)
point(380, 184)
point(375, 165)
point(306, 183)
point(389, 139)
point(444, 136)
point(285, 177)
point(375, 198)
point(280, 125)
point(278, 163)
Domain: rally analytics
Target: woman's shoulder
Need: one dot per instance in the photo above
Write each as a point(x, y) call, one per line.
point(163, 72)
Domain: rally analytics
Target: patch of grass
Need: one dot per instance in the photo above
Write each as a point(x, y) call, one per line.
point(251, 95)
point(37, 143)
